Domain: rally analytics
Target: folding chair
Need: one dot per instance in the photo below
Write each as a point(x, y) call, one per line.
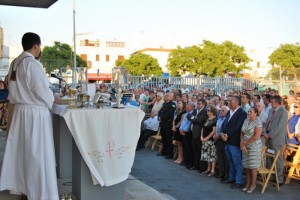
point(291, 156)
point(156, 141)
point(265, 172)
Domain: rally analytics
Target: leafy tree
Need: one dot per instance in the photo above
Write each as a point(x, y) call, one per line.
point(141, 64)
point(183, 60)
point(288, 57)
point(59, 55)
point(208, 58)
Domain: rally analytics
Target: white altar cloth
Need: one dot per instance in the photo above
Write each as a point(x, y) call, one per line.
point(106, 139)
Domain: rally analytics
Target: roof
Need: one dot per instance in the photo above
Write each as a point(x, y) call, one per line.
point(28, 3)
point(154, 49)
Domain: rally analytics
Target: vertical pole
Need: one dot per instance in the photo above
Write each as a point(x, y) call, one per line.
point(280, 80)
point(74, 81)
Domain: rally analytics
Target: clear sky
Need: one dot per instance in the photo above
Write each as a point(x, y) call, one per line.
point(253, 24)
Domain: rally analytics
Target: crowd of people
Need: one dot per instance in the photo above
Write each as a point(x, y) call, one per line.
point(221, 135)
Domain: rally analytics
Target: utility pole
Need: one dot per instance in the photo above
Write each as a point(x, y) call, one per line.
point(74, 71)
point(280, 80)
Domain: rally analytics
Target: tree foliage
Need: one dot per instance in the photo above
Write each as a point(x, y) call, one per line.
point(287, 56)
point(59, 55)
point(139, 64)
point(208, 58)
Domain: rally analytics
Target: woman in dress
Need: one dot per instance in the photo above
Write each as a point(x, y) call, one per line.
point(176, 124)
point(251, 147)
point(208, 152)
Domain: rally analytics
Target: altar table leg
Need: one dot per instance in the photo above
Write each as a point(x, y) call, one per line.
point(63, 147)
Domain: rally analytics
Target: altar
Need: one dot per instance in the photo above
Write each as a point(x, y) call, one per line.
point(103, 149)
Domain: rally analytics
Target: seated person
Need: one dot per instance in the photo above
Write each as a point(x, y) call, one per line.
point(151, 127)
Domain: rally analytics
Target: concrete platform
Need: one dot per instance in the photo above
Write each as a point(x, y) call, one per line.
point(134, 189)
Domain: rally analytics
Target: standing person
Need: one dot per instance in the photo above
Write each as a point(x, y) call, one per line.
point(29, 159)
point(275, 133)
point(197, 124)
point(263, 116)
point(251, 147)
point(231, 130)
point(185, 131)
point(267, 102)
point(166, 115)
point(245, 102)
point(208, 152)
point(222, 159)
point(185, 89)
point(176, 125)
point(144, 106)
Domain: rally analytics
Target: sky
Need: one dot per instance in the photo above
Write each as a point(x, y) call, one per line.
point(255, 24)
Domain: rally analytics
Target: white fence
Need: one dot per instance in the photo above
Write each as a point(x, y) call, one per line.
point(198, 83)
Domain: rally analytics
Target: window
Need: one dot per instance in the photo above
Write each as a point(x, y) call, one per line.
point(115, 44)
point(86, 43)
point(107, 58)
point(120, 57)
point(84, 57)
point(97, 57)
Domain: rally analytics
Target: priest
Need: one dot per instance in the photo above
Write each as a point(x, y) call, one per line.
point(29, 159)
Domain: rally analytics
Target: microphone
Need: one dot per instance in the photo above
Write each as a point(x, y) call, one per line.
point(55, 76)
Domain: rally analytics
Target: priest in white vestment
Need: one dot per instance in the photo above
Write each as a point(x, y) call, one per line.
point(29, 159)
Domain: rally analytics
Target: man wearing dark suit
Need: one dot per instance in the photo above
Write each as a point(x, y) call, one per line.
point(275, 133)
point(197, 123)
point(231, 130)
point(166, 115)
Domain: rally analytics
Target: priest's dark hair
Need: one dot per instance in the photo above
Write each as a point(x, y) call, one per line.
point(29, 40)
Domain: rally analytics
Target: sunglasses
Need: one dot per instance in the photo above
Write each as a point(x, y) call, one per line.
point(295, 106)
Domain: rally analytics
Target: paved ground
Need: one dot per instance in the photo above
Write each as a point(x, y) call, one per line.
point(177, 182)
point(155, 178)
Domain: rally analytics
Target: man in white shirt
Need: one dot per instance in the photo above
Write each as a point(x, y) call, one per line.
point(29, 165)
point(167, 88)
point(185, 89)
point(246, 102)
point(151, 127)
point(267, 102)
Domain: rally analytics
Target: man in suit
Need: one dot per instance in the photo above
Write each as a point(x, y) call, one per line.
point(275, 133)
point(231, 130)
point(197, 123)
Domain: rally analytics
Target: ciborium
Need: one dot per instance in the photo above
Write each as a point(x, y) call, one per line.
point(120, 81)
point(72, 103)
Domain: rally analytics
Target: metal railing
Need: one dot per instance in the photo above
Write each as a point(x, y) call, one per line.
point(216, 84)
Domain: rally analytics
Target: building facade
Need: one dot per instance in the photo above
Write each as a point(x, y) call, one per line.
point(101, 56)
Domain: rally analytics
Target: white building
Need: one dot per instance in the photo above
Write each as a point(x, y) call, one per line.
point(259, 64)
point(101, 56)
point(160, 54)
point(4, 56)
